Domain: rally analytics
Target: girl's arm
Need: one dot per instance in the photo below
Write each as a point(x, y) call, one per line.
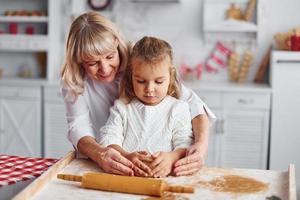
point(164, 162)
point(112, 135)
point(182, 138)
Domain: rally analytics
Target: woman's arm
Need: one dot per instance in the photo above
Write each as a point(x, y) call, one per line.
point(108, 159)
point(137, 158)
point(82, 136)
point(200, 114)
point(196, 153)
point(78, 118)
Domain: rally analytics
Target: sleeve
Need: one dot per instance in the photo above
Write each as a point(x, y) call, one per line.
point(182, 126)
point(78, 117)
point(112, 131)
point(197, 106)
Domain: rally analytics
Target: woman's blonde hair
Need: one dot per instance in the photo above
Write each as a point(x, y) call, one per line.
point(149, 51)
point(90, 35)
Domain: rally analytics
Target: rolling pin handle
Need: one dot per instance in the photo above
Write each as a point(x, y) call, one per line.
point(179, 189)
point(69, 177)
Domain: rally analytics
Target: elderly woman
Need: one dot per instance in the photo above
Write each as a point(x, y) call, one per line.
point(96, 57)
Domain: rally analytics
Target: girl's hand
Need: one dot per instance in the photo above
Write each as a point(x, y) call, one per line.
point(139, 159)
point(163, 163)
point(193, 161)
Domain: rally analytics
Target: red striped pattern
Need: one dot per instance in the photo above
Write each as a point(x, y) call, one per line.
point(15, 168)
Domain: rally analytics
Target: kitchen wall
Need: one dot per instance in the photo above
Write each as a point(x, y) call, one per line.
point(181, 25)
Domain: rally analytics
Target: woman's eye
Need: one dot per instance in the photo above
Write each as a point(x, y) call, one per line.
point(111, 56)
point(158, 82)
point(140, 81)
point(91, 64)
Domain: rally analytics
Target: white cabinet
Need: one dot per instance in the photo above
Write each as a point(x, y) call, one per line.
point(244, 142)
point(30, 39)
point(55, 124)
point(285, 134)
point(20, 121)
point(239, 137)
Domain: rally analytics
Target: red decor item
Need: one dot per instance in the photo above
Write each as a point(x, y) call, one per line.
point(15, 168)
point(185, 70)
point(13, 28)
point(218, 58)
point(29, 30)
point(295, 42)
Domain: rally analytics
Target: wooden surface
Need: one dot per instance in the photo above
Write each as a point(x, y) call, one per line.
point(45, 178)
point(277, 184)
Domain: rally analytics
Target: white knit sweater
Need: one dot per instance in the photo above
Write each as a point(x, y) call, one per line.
point(135, 126)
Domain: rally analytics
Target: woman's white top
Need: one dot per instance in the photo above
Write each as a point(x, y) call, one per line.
point(136, 126)
point(90, 111)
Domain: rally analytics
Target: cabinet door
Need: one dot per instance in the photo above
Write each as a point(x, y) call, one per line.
point(213, 143)
point(244, 140)
point(20, 127)
point(213, 100)
point(56, 142)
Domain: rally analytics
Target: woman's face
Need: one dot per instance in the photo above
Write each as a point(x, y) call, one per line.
point(104, 67)
point(151, 83)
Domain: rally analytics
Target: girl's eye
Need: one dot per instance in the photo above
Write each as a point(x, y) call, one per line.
point(158, 82)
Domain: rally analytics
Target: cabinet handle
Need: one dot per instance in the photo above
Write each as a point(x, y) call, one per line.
point(222, 126)
point(245, 101)
point(288, 61)
point(217, 126)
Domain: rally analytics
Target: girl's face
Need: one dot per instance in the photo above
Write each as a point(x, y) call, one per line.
point(151, 83)
point(104, 67)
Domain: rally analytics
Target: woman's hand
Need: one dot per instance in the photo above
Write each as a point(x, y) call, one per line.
point(139, 159)
point(111, 161)
point(193, 161)
point(163, 163)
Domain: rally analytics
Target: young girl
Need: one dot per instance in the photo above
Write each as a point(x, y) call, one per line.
point(149, 117)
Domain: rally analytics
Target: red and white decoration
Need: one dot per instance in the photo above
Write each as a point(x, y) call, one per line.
point(185, 70)
point(218, 58)
point(15, 168)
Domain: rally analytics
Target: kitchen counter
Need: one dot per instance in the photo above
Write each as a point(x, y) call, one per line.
point(274, 183)
point(228, 86)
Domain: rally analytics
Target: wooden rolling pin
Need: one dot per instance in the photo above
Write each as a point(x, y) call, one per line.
point(125, 184)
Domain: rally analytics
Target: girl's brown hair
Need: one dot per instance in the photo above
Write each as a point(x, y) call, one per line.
point(90, 35)
point(149, 51)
